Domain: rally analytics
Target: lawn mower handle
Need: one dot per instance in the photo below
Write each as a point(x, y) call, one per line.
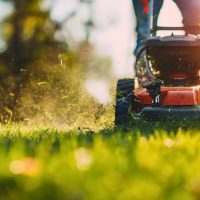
point(172, 28)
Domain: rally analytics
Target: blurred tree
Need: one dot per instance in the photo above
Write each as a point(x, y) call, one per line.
point(29, 33)
point(87, 24)
point(32, 52)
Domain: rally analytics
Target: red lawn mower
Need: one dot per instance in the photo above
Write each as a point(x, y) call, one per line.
point(168, 85)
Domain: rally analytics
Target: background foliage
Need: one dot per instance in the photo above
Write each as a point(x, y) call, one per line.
point(41, 78)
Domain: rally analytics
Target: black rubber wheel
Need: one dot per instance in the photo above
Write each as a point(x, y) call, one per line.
point(125, 87)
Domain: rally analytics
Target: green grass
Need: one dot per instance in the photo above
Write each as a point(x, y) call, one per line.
point(146, 162)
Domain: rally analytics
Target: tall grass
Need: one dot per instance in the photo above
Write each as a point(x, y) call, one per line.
point(110, 164)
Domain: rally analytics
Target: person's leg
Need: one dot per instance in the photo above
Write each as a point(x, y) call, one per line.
point(142, 26)
point(142, 21)
point(190, 10)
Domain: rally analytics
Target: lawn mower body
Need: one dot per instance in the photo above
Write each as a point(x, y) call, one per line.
point(168, 84)
point(177, 63)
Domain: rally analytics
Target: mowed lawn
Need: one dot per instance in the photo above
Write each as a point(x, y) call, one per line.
point(48, 164)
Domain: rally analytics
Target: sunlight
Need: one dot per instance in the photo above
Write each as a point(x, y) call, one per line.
point(83, 159)
point(5, 9)
point(99, 90)
point(59, 9)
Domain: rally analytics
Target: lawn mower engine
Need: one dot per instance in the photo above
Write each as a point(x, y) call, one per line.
point(168, 84)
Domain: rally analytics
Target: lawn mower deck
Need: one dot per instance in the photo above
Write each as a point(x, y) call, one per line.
point(175, 102)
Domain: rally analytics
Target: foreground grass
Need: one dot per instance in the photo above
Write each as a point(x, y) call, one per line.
point(112, 164)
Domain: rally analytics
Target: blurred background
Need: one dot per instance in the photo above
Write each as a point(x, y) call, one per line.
point(60, 59)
